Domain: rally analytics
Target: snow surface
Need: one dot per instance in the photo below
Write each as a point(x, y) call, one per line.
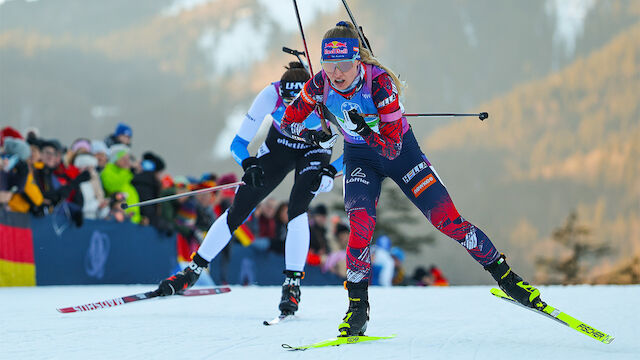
point(431, 323)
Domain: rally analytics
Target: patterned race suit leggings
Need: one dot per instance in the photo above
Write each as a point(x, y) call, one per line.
point(364, 171)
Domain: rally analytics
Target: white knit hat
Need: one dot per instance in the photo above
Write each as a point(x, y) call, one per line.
point(98, 146)
point(85, 160)
point(117, 151)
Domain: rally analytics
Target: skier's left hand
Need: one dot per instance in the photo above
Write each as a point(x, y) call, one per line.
point(324, 181)
point(355, 122)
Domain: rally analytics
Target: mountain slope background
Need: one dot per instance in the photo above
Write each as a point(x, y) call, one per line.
point(559, 79)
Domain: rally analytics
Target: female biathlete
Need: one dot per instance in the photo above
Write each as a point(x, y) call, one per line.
point(276, 157)
point(362, 96)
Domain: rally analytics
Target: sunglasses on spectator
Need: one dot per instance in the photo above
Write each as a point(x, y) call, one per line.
point(342, 65)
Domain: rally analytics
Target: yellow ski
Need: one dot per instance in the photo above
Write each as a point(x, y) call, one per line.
point(337, 341)
point(561, 317)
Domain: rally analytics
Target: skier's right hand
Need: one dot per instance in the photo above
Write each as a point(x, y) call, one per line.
point(324, 181)
point(355, 122)
point(322, 139)
point(253, 173)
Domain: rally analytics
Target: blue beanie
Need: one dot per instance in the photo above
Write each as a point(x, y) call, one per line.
point(123, 129)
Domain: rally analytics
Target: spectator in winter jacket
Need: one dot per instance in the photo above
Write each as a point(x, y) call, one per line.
point(13, 168)
point(148, 185)
point(122, 135)
point(17, 190)
point(79, 146)
point(96, 206)
point(101, 152)
point(29, 197)
point(205, 216)
point(116, 177)
point(58, 183)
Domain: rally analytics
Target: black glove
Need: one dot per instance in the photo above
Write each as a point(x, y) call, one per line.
point(324, 181)
point(321, 138)
point(357, 123)
point(253, 173)
point(84, 176)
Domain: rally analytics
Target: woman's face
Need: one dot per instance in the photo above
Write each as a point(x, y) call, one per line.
point(102, 159)
point(124, 162)
point(49, 156)
point(35, 154)
point(340, 79)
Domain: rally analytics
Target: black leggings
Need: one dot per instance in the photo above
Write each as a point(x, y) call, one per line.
point(278, 155)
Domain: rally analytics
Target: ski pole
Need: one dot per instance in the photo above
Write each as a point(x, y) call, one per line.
point(306, 51)
point(177, 196)
point(481, 116)
point(358, 28)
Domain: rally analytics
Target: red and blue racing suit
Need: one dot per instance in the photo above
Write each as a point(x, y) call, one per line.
point(390, 150)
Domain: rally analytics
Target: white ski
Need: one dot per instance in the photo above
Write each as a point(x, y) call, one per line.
point(279, 319)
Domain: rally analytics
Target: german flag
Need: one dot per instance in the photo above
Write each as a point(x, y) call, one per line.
point(244, 235)
point(17, 265)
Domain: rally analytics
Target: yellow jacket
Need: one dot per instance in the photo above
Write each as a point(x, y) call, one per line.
point(18, 203)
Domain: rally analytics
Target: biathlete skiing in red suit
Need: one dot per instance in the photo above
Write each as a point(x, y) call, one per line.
point(360, 95)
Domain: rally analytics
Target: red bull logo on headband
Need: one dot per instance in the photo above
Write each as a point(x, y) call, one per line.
point(334, 48)
point(335, 44)
point(340, 49)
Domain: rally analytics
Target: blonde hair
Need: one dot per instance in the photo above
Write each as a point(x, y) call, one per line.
point(366, 57)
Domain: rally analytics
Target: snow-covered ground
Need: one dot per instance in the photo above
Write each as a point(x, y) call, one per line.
point(431, 323)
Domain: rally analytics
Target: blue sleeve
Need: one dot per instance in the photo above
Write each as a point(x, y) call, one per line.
point(239, 149)
point(337, 163)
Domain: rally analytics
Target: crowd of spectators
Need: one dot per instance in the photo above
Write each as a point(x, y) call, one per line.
point(90, 179)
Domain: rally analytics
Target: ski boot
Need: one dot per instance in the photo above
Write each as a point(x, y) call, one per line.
point(290, 292)
point(355, 321)
point(184, 279)
point(513, 285)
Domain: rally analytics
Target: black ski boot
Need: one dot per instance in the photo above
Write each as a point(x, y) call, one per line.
point(513, 285)
point(290, 292)
point(355, 321)
point(185, 278)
